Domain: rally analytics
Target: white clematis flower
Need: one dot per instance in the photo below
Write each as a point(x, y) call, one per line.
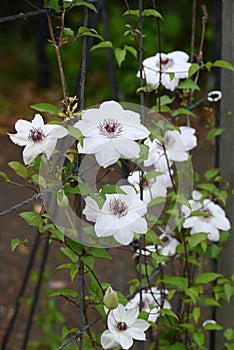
point(175, 62)
point(120, 215)
point(123, 326)
point(177, 145)
point(153, 297)
point(212, 222)
point(166, 248)
point(37, 137)
point(109, 132)
point(153, 187)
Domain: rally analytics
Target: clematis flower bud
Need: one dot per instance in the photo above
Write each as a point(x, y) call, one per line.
point(110, 299)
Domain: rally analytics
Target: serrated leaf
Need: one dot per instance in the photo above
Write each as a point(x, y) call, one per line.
point(207, 277)
point(46, 108)
point(102, 45)
point(15, 242)
point(19, 169)
point(120, 55)
point(223, 64)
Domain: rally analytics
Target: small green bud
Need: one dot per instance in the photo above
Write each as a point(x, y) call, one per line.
point(62, 199)
point(110, 299)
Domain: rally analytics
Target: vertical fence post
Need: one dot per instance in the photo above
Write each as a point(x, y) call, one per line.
point(226, 262)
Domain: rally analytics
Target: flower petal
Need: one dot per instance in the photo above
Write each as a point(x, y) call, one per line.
point(107, 340)
point(136, 333)
point(19, 139)
point(31, 151)
point(91, 210)
point(131, 316)
point(119, 313)
point(107, 156)
point(128, 148)
point(38, 121)
point(141, 324)
point(124, 237)
point(124, 340)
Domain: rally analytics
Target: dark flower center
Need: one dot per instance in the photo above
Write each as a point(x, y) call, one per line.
point(122, 326)
point(165, 62)
point(110, 128)
point(118, 207)
point(36, 134)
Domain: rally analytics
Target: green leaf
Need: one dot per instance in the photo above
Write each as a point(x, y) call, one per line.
point(69, 32)
point(102, 45)
point(47, 108)
point(193, 294)
point(76, 133)
point(213, 327)
point(199, 337)
point(131, 49)
point(152, 12)
point(168, 313)
point(99, 253)
point(120, 55)
point(214, 133)
point(16, 241)
point(228, 290)
point(75, 246)
point(4, 176)
point(110, 189)
point(64, 291)
point(207, 277)
point(147, 12)
point(31, 218)
point(223, 64)
point(211, 173)
point(86, 4)
point(19, 169)
point(196, 238)
point(229, 334)
point(188, 85)
point(70, 254)
point(180, 282)
point(196, 314)
point(52, 4)
point(193, 69)
point(183, 111)
point(38, 179)
point(84, 31)
point(176, 346)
